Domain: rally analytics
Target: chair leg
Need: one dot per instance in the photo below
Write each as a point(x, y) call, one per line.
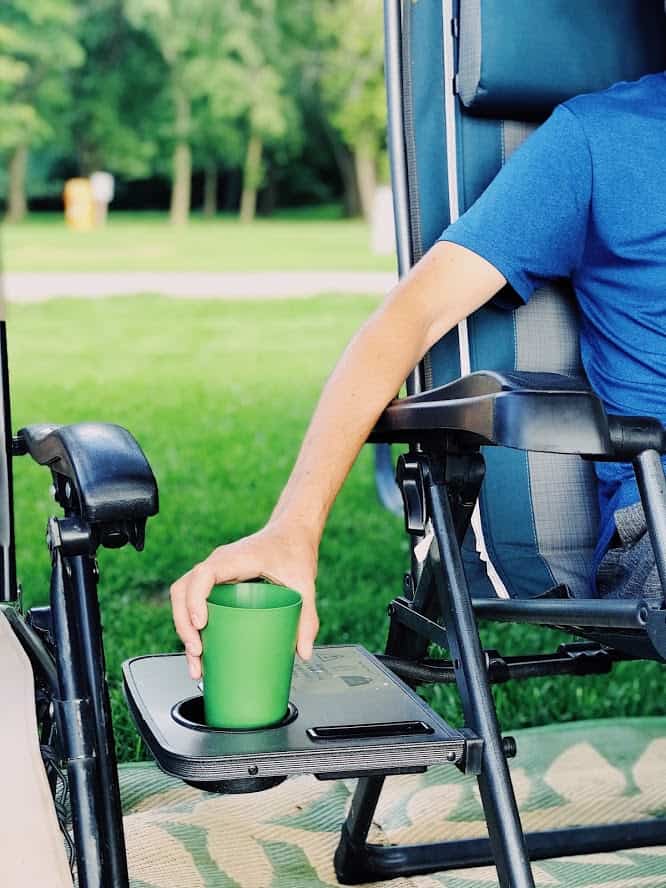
point(355, 860)
point(499, 804)
point(351, 861)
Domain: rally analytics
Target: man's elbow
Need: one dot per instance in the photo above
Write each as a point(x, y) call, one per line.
point(448, 285)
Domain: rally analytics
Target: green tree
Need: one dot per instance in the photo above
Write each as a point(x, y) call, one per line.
point(269, 113)
point(352, 92)
point(222, 62)
point(117, 110)
point(249, 106)
point(218, 143)
point(37, 47)
point(178, 29)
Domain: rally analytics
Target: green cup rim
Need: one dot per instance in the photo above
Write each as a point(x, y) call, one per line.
point(242, 607)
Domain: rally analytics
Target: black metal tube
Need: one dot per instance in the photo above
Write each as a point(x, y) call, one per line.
point(652, 488)
point(381, 861)
point(502, 669)
point(363, 805)
point(543, 665)
point(499, 803)
point(417, 623)
point(84, 584)
point(41, 661)
point(388, 493)
point(417, 672)
point(564, 612)
point(393, 61)
point(74, 727)
point(8, 585)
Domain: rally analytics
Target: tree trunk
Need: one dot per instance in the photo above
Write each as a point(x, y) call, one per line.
point(251, 178)
point(366, 177)
point(231, 190)
point(182, 162)
point(351, 198)
point(345, 162)
point(17, 203)
point(267, 198)
point(210, 190)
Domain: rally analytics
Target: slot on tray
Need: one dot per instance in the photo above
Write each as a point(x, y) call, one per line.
point(365, 732)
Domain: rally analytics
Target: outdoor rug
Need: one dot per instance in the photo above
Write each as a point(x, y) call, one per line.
point(574, 774)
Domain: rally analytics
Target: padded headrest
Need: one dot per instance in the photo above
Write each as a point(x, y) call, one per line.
point(520, 58)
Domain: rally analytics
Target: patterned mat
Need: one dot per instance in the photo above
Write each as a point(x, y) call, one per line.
point(577, 774)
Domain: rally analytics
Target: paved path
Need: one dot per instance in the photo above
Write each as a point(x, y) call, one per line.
point(31, 286)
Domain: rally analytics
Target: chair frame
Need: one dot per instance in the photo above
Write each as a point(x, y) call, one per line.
point(103, 482)
point(440, 479)
point(437, 589)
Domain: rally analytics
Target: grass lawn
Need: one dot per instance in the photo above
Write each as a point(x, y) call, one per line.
point(307, 241)
point(218, 394)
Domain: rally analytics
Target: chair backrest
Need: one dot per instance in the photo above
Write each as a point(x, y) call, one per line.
point(477, 78)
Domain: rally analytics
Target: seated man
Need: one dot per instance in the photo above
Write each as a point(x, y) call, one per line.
point(583, 198)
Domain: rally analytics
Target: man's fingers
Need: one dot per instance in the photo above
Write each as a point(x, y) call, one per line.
point(194, 666)
point(236, 562)
point(308, 627)
point(202, 580)
point(181, 618)
point(189, 635)
point(189, 594)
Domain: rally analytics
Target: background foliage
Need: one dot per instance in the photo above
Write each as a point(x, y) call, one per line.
point(218, 394)
point(247, 102)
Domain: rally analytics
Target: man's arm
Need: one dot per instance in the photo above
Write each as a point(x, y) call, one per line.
point(449, 283)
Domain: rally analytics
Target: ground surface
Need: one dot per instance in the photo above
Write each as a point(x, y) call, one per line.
point(147, 242)
point(218, 394)
point(37, 286)
point(584, 774)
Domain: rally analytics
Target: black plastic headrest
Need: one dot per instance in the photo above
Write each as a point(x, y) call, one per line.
point(520, 58)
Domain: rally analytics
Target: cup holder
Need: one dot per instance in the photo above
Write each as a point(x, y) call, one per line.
point(190, 713)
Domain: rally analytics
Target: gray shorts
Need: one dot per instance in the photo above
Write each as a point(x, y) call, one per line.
point(628, 569)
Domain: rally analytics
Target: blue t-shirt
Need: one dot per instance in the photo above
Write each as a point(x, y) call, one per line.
point(585, 198)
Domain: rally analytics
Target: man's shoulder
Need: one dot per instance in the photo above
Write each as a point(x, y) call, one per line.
point(637, 96)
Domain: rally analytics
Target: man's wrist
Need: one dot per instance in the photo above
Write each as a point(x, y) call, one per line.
point(290, 521)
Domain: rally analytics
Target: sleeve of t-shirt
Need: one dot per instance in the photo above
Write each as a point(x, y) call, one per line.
point(531, 222)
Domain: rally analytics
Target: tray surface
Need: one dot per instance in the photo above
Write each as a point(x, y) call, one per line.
point(353, 716)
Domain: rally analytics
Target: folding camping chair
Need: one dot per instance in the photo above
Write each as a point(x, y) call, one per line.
point(498, 414)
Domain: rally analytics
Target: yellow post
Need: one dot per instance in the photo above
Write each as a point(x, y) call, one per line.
point(79, 205)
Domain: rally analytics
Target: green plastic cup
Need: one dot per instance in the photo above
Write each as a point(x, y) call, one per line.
point(249, 645)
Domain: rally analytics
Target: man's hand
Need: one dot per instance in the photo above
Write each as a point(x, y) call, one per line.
point(286, 556)
point(446, 285)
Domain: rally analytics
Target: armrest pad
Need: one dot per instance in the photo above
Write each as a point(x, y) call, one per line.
point(106, 469)
point(529, 411)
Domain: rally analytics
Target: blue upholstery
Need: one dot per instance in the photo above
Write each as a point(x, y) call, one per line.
point(538, 512)
point(429, 185)
point(519, 59)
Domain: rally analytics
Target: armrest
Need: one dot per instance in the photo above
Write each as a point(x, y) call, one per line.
point(99, 470)
point(544, 412)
